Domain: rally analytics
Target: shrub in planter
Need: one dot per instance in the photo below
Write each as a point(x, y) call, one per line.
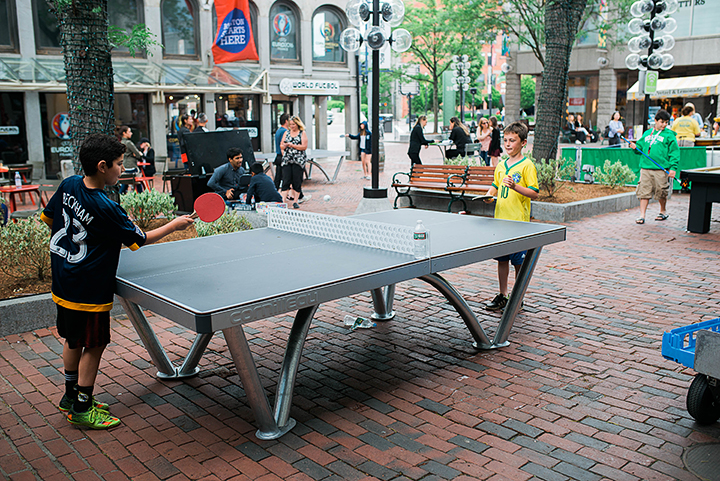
point(230, 221)
point(614, 175)
point(551, 172)
point(469, 160)
point(25, 249)
point(147, 206)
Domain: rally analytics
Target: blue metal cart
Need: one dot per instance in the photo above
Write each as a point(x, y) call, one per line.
point(697, 346)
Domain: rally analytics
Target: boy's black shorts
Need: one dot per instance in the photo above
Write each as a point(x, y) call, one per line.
point(83, 328)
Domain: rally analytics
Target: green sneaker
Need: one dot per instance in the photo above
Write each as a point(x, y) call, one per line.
point(93, 419)
point(66, 404)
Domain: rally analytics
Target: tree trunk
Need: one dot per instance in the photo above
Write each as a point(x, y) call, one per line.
point(88, 68)
point(562, 18)
point(436, 106)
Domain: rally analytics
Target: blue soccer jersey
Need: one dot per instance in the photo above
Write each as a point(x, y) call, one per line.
point(88, 230)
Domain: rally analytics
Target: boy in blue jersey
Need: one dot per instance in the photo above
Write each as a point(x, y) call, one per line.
point(88, 230)
point(515, 184)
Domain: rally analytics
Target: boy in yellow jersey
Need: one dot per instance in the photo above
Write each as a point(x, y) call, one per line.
point(88, 230)
point(515, 184)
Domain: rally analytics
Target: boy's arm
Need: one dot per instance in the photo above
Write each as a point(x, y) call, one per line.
point(526, 191)
point(491, 191)
point(179, 223)
point(250, 192)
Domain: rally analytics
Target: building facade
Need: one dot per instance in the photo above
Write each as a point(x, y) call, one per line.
point(600, 83)
point(300, 65)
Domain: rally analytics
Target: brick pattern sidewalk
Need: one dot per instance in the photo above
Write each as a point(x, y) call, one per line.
point(581, 393)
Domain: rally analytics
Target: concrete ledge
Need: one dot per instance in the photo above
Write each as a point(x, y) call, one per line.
point(29, 313)
point(542, 211)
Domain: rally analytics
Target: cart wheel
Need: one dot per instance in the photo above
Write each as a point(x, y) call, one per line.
point(701, 403)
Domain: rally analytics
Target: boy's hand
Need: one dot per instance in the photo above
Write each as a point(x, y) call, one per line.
point(182, 222)
point(632, 145)
point(229, 193)
point(509, 182)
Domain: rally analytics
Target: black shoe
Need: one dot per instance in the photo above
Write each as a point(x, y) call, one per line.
point(498, 303)
point(295, 205)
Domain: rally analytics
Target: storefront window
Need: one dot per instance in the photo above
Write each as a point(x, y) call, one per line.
point(47, 29)
point(253, 23)
point(13, 140)
point(179, 27)
point(326, 30)
point(8, 39)
point(284, 27)
point(124, 14)
point(130, 110)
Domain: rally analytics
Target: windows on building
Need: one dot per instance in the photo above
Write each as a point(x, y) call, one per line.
point(179, 28)
point(284, 33)
point(125, 14)
point(8, 32)
point(47, 29)
point(327, 25)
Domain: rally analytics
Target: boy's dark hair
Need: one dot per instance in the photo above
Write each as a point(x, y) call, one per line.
point(517, 128)
point(284, 118)
point(233, 151)
point(662, 114)
point(97, 147)
point(257, 168)
point(687, 110)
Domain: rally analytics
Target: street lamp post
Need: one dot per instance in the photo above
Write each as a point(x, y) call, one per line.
point(391, 13)
point(653, 35)
point(473, 91)
point(461, 66)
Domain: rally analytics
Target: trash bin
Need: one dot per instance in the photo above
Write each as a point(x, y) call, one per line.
point(386, 121)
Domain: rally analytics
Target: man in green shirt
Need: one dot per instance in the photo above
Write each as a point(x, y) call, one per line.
point(661, 146)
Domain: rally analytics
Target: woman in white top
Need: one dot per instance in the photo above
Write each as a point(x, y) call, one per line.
point(365, 138)
point(616, 129)
point(484, 138)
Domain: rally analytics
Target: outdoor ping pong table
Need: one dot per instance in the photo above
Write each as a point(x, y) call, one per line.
point(186, 282)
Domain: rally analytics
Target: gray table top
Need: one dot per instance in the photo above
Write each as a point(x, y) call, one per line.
point(213, 282)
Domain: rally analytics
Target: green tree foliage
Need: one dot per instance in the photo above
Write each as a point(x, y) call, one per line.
point(614, 175)
point(439, 32)
point(148, 206)
point(25, 249)
point(551, 171)
point(527, 91)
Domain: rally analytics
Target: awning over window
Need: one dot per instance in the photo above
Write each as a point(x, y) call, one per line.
point(48, 75)
point(698, 86)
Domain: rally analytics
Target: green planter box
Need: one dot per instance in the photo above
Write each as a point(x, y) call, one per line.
point(690, 157)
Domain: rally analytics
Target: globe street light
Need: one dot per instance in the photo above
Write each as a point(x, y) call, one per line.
point(654, 36)
point(385, 15)
point(461, 66)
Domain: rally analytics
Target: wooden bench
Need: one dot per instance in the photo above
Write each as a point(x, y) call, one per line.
point(428, 177)
point(476, 181)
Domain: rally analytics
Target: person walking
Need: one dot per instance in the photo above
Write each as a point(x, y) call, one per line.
point(615, 129)
point(495, 149)
point(656, 175)
point(365, 138)
point(460, 136)
point(279, 135)
point(484, 138)
point(293, 148)
point(417, 139)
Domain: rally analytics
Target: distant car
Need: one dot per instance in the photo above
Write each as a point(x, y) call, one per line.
point(330, 117)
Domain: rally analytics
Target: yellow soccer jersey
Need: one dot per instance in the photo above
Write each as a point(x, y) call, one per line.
point(511, 205)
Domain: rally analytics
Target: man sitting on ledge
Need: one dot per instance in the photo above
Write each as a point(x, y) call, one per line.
point(226, 178)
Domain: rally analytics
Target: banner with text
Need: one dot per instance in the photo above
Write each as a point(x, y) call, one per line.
point(234, 40)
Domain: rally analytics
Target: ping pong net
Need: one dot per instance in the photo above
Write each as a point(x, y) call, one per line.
point(378, 235)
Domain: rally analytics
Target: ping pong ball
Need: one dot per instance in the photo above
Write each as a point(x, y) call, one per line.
point(326, 198)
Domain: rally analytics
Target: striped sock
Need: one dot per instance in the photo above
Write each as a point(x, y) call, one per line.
point(71, 379)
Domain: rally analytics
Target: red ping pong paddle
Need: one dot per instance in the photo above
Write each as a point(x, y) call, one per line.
point(208, 207)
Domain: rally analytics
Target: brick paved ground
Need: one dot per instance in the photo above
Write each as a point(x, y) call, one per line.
point(581, 393)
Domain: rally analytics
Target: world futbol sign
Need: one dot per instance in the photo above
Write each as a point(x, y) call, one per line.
point(234, 40)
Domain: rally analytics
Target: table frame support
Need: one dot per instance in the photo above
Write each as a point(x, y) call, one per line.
point(383, 298)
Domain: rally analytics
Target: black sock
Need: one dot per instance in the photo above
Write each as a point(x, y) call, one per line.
point(84, 399)
point(71, 379)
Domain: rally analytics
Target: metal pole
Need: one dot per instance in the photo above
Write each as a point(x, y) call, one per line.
point(375, 192)
point(646, 103)
point(357, 88)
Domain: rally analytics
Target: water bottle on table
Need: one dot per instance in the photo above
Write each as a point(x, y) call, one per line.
point(18, 180)
point(421, 247)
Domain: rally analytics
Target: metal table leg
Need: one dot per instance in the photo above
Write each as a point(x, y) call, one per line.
point(312, 164)
point(453, 296)
point(337, 169)
point(383, 302)
point(291, 360)
point(166, 369)
point(516, 297)
point(270, 426)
